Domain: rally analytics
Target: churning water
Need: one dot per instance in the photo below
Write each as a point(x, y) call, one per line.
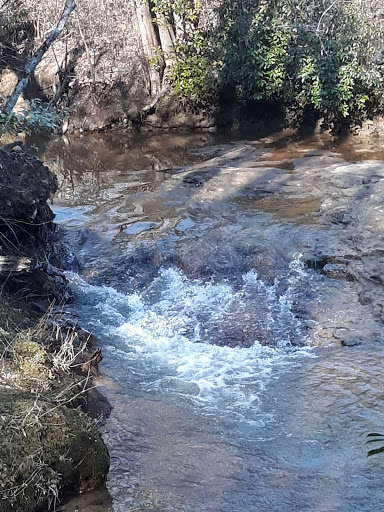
point(164, 335)
point(229, 394)
point(204, 426)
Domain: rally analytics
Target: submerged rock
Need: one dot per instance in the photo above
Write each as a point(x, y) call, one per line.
point(338, 271)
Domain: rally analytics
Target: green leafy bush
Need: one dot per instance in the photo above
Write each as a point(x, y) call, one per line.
point(191, 74)
point(316, 55)
point(38, 117)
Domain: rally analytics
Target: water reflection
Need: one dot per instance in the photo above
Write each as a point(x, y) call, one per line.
point(200, 427)
point(87, 165)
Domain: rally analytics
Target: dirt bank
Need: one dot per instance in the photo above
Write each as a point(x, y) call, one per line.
point(49, 445)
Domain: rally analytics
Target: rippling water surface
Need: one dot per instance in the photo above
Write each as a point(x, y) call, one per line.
point(228, 394)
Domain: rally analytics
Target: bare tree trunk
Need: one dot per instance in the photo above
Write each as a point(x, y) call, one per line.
point(32, 64)
point(149, 41)
point(167, 29)
point(91, 62)
point(167, 40)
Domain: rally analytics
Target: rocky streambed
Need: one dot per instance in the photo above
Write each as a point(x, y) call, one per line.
point(239, 300)
point(239, 303)
point(247, 205)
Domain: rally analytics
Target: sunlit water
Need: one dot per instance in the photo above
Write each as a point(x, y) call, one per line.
point(198, 426)
point(162, 337)
point(224, 398)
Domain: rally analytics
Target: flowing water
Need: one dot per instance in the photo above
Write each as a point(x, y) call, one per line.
point(221, 332)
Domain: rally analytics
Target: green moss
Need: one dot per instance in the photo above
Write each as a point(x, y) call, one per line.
point(30, 350)
point(29, 363)
point(45, 448)
point(34, 370)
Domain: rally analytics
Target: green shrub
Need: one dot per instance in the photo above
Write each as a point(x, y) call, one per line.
point(317, 55)
point(38, 117)
point(191, 74)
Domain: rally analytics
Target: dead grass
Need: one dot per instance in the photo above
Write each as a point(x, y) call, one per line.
point(45, 438)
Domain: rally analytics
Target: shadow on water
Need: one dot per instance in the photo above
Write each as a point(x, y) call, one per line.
point(219, 219)
point(198, 427)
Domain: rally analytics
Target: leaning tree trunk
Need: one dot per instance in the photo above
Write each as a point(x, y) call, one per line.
point(32, 64)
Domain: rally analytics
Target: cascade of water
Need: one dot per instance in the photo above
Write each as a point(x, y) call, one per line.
point(171, 337)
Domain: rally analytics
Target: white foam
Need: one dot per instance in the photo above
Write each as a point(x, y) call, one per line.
point(157, 336)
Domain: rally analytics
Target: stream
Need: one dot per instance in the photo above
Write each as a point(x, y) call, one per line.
point(236, 288)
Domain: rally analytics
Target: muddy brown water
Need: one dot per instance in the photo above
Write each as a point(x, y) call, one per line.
point(235, 286)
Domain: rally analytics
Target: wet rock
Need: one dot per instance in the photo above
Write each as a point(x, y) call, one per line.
point(338, 271)
point(341, 215)
point(348, 338)
point(137, 227)
point(351, 342)
point(94, 501)
point(198, 178)
point(345, 181)
point(97, 405)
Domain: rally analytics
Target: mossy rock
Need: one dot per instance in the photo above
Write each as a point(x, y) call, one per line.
point(46, 450)
point(29, 363)
point(29, 349)
point(13, 314)
point(32, 369)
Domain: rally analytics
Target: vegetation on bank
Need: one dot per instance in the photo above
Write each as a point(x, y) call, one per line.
point(318, 58)
point(48, 444)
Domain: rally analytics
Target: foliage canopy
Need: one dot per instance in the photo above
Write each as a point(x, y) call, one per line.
point(306, 54)
point(316, 56)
